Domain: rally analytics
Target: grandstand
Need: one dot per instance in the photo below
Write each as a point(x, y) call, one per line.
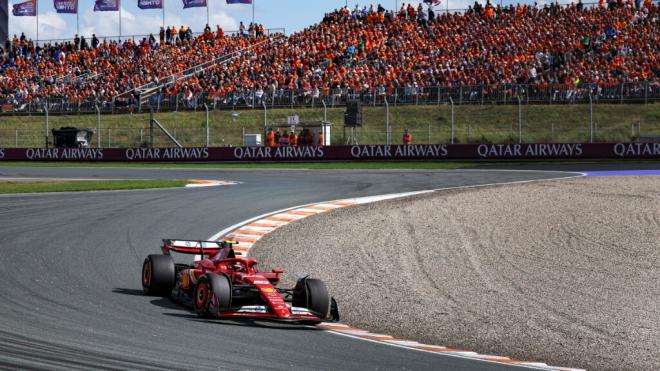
point(542, 54)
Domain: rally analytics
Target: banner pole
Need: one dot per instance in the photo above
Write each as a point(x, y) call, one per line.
point(77, 20)
point(253, 24)
point(163, 5)
point(37, 12)
point(207, 13)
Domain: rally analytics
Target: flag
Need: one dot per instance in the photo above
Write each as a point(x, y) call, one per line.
point(150, 4)
point(25, 9)
point(106, 5)
point(193, 3)
point(66, 6)
point(239, 1)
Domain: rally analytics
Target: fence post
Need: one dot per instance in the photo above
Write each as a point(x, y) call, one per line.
point(291, 99)
point(552, 132)
point(265, 118)
point(438, 100)
point(98, 125)
point(387, 122)
point(16, 138)
point(46, 110)
point(151, 127)
point(451, 103)
point(109, 138)
point(325, 111)
point(460, 95)
point(622, 84)
point(519, 121)
point(646, 92)
point(550, 92)
point(206, 108)
point(591, 119)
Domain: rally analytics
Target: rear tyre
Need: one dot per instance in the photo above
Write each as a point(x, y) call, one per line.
point(312, 294)
point(212, 295)
point(158, 275)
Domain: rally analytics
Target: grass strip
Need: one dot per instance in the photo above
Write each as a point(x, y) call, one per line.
point(86, 185)
point(489, 123)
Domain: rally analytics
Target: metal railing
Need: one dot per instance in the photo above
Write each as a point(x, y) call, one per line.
point(138, 38)
point(637, 92)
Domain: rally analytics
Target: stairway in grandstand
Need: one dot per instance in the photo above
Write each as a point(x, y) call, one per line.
point(144, 92)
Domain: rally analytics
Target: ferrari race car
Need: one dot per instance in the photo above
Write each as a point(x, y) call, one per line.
point(218, 284)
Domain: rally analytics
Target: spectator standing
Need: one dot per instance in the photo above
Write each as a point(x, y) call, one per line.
point(293, 138)
point(309, 137)
point(321, 136)
point(284, 139)
point(407, 137)
point(270, 138)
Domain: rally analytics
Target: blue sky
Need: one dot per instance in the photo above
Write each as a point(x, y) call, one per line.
point(291, 14)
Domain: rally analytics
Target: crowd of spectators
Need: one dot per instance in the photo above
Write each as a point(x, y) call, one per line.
point(363, 49)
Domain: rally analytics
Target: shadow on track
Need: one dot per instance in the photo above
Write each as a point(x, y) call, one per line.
point(185, 313)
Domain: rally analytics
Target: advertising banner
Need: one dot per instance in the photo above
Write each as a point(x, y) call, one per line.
point(193, 3)
point(432, 152)
point(66, 6)
point(150, 4)
point(25, 9)
point(106, 5)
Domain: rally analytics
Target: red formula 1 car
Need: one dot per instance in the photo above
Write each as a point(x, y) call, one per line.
point(219, 284)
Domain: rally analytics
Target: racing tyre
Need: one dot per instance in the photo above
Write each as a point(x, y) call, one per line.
point(212, 295)
point(312, 294)
point(158, 275)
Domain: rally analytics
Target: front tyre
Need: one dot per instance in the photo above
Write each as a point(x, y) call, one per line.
point(212, 295)
point(312, 294)
point(158, 275)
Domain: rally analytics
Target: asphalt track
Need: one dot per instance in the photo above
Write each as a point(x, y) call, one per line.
point(70, 269)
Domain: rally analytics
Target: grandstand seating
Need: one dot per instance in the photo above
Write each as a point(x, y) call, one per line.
point(365, 49)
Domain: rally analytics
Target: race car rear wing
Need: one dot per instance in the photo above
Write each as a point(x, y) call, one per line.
point(194, 247)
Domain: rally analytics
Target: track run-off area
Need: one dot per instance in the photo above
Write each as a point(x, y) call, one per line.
point(70, 266)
